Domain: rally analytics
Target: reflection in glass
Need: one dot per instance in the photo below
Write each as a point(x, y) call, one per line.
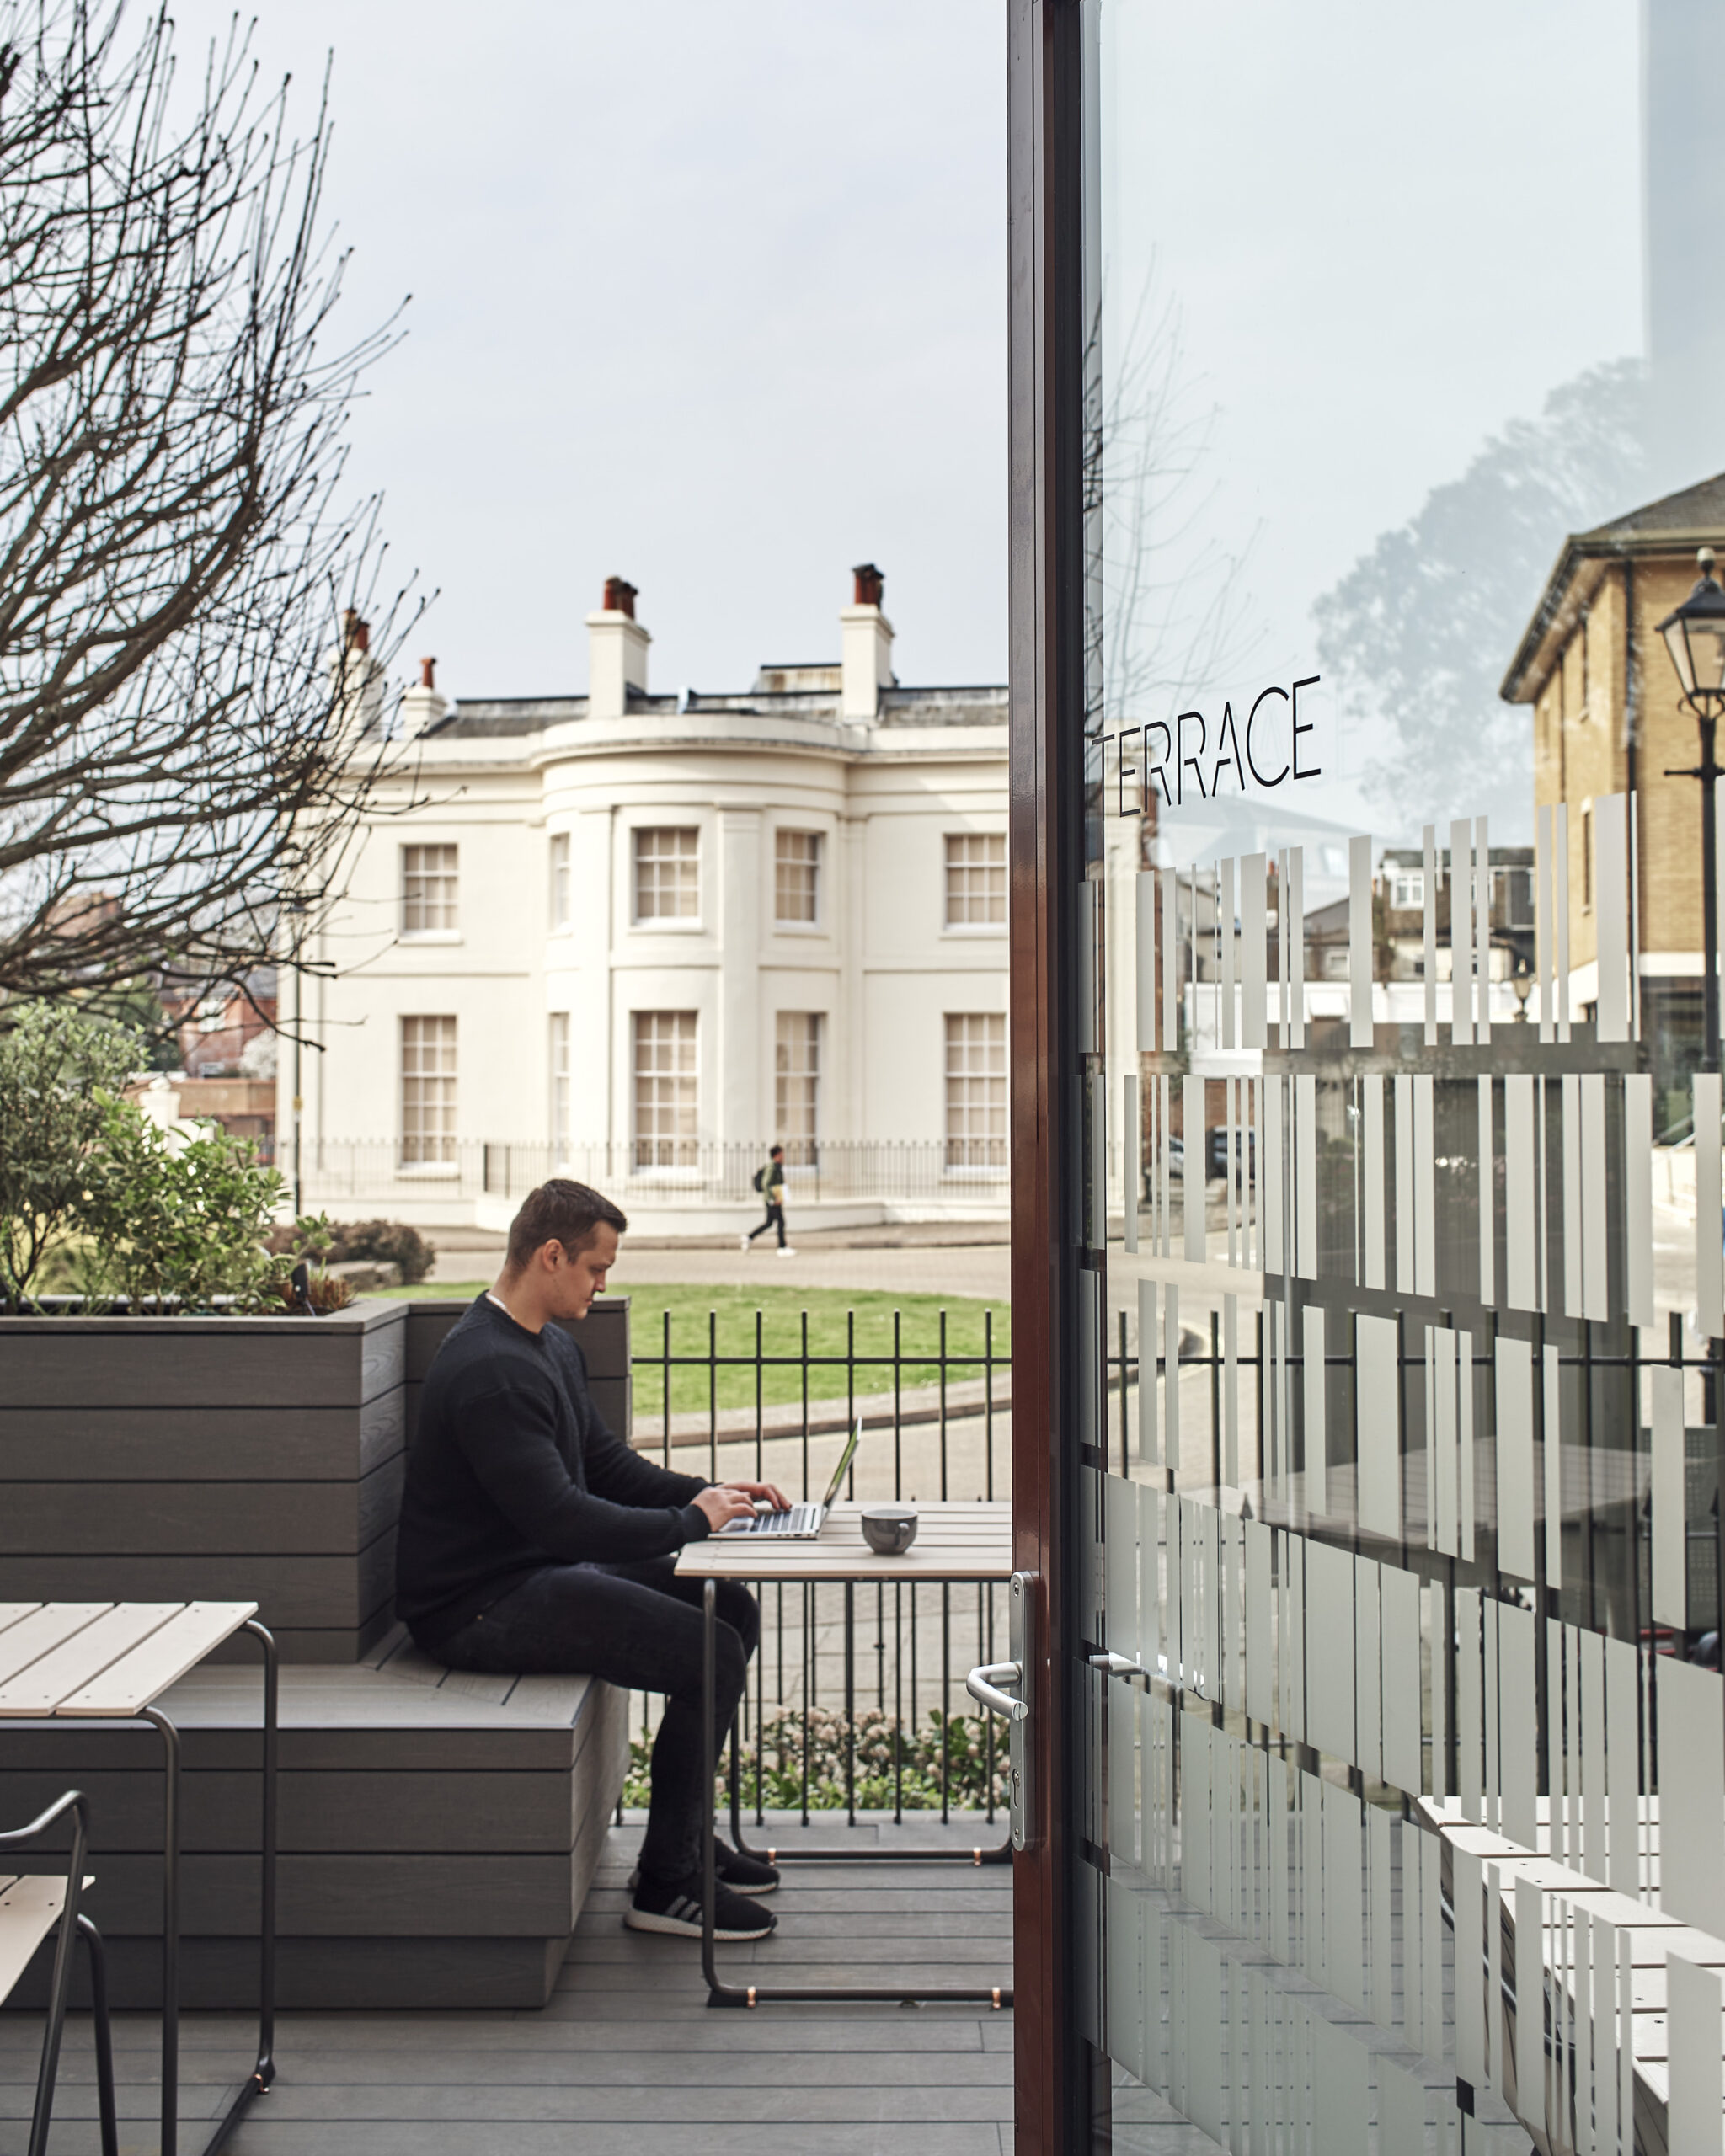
point(1397, 1121)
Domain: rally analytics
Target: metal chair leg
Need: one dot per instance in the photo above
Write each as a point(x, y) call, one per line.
point(104, 2034)
point(60, 1984)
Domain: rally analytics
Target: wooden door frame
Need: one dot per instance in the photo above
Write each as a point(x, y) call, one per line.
point(1045, 854)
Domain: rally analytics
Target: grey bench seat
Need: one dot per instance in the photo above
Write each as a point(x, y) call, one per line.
point(439, 1831)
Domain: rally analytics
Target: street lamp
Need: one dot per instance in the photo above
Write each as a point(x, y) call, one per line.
point(1694, 637)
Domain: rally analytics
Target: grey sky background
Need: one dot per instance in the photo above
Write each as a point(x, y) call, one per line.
point(712, 297)
point(715, 298)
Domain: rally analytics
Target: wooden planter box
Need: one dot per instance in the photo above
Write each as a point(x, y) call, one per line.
point(437, 1837)
point(259, 1459)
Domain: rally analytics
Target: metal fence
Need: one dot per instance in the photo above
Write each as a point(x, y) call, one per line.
point(862, 1689)
point(337, 1171)
point(1604, 1480)
point(858, 1693)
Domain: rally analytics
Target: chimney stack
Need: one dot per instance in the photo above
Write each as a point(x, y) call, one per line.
point(616, 652)
point(421, 707)
point(866, 649)
point(358, 680)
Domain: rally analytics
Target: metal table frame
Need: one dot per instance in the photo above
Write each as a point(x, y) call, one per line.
point(720, 1994)
point(263, 2071)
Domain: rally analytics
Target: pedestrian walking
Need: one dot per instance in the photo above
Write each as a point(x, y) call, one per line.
point(770, 1182)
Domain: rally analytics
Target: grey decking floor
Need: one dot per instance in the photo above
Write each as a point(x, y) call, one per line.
point(627, 2057)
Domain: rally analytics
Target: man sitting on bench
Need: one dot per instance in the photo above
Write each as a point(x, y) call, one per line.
point(532, 1540)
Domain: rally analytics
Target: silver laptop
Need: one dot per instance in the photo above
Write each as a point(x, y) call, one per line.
point(803, 1522)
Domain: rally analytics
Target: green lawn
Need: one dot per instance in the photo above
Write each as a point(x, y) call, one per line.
point(840, 1323)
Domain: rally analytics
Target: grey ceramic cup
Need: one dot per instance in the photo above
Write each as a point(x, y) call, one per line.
point(889, 1529)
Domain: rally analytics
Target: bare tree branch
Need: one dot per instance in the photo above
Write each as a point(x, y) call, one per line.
point(188, 733)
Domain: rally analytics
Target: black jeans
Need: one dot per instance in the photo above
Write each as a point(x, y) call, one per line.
point(775, 1218)
point(638, 1626)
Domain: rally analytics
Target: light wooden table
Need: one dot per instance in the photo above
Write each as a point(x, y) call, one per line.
point(112, 1662)
point(957, 1544)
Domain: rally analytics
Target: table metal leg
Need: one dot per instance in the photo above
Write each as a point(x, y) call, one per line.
point(723, 1994)
point(264, 2072)
point(1000, 1853)
point(170, 1929)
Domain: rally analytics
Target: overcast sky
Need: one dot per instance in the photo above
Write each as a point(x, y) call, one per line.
point(715, 297)
point(711, 297)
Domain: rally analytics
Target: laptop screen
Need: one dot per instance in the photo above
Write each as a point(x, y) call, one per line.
point(843, 1468)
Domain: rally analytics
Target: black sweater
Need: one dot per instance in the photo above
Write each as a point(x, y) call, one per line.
point(512, 1469)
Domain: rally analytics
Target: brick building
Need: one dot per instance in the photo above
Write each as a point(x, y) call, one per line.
point(1608, 719)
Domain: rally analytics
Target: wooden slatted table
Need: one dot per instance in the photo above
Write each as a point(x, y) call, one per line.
point(112, 1662)
point(957, 1544)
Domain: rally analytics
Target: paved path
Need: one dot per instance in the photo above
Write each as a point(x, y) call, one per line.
point(978, 1269)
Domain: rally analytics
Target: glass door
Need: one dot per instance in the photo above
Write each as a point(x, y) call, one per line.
point(1366, 603)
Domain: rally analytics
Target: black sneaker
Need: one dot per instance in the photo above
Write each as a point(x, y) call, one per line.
point(741, 1873)
point(674, 1908)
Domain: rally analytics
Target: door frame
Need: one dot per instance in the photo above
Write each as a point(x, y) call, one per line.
point(1044, 220)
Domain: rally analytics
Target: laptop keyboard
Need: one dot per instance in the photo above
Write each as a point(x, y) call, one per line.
point(799, 1518)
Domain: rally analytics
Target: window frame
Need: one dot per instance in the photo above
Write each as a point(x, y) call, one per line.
point(686, 1168)
point(409, 1160)
point(559, 1083)
point(802, 1148)
point(998, 1163)
point(452, 934)
point(558, 883)
point(815, 922)
point(950, 926)
point(662, 924)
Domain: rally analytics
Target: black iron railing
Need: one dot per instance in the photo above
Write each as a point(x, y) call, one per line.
point(857, 1690)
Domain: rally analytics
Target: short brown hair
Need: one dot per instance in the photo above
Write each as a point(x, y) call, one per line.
point(560, 1212)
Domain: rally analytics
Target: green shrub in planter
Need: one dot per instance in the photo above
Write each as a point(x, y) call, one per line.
point(175, 1224)
point(58, 1067)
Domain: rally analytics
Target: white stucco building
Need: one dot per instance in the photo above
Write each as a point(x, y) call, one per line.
point(639, 937)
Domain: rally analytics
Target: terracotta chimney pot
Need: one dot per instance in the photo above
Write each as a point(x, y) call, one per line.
point(619, 596)
point(870, 585)
point(428, 673)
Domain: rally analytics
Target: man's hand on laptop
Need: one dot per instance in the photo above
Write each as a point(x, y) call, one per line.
point(766, 1494)
point(723, 1501)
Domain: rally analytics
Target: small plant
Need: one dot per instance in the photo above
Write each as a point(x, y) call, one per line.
point(799, 1762)
point(58, 1066)
point(326, 1292)
point(303, 1252)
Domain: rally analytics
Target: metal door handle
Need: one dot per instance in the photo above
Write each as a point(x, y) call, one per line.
point(983, 1684)
point(988, 1685)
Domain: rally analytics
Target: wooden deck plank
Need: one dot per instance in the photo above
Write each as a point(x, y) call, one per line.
point(627, 2060)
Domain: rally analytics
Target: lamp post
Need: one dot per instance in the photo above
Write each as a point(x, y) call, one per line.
point(1694, 637)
